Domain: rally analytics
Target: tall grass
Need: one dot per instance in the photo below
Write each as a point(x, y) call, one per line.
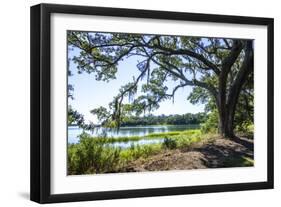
point(95, 155)
point(183, 139)
point(139, 151)
point(150, 136)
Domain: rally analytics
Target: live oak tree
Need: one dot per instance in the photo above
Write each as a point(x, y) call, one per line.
point(217, 69)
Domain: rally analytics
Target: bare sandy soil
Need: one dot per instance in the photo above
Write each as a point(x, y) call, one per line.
point(215, 153)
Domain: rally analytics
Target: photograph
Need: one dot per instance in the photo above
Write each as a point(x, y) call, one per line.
point(153, 102)
point(133, 103)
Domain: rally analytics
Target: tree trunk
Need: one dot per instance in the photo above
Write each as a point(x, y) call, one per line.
point(226, 104)
point(226, 119)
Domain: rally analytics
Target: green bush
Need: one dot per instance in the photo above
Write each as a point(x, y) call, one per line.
point(91, 155)
point(211, 124)
point(245, 127)
point(169, 143)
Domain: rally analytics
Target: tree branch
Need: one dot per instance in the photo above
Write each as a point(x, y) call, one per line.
point(188, 53)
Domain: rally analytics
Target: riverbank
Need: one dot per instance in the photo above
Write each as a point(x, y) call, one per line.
point(188, 149)
point(216, 153)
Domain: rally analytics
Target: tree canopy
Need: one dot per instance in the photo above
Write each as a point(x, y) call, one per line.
point(220, 70)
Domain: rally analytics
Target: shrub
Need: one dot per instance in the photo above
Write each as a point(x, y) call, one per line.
point(245, 127)
point(169, 143)
point(211, 124)
point(91, 155)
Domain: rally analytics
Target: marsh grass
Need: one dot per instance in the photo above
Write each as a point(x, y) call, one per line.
point(96, 155)
point(162, 135)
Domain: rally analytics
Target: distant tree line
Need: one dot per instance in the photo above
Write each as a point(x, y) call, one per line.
point(175, 119)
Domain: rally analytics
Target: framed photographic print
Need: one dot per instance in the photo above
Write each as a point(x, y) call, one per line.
point(133, 103)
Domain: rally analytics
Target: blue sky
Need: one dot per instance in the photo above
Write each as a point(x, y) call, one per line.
point(89, 93)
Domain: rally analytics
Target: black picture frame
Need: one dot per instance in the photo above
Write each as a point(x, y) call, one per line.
point(41, 96)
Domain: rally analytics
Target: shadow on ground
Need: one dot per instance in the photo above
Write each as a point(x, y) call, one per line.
point(235, 152)
point(218, 153)
point(24, 195)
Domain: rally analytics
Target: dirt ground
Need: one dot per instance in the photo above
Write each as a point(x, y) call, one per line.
point(215, 153)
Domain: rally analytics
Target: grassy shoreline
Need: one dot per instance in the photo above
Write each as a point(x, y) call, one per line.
point(149, 136)
point(95, 155)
